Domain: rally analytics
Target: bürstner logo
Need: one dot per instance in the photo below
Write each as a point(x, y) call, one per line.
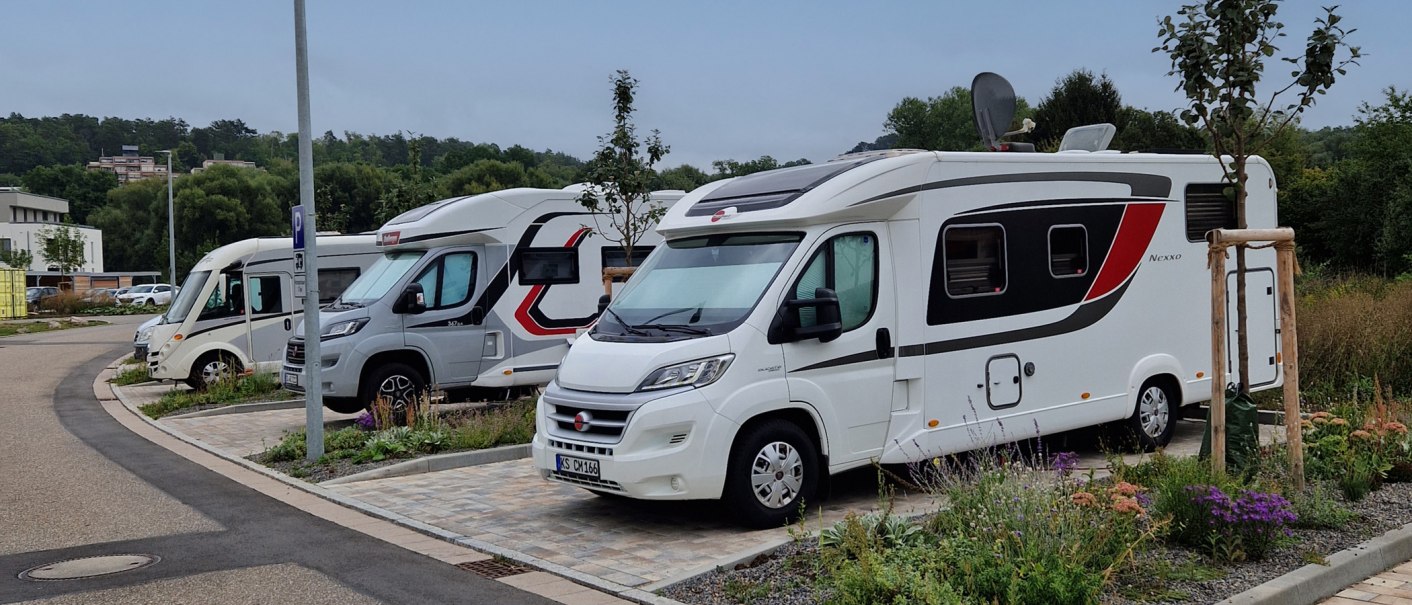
point(390, 238)
point(583, 421)
point(720, 214)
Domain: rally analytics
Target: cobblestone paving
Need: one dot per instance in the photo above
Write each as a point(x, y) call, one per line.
point(247, 433)
point(1391, 587)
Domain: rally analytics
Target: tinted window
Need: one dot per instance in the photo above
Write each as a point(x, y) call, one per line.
point(847, 264)
point(975, 260)
point(332, 282)
point(1068, 251)
point(265, 295)
point(225, 302)
point(549, 266)
point(1208, 207)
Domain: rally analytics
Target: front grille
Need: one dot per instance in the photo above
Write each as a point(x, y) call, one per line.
point(575, 447)
point(294, 354)
point(605, 423)
point(600, 484)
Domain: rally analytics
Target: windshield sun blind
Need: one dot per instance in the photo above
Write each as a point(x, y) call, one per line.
point(772, 189)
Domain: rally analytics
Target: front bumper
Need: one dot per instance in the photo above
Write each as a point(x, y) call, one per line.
point(341, 363)
point(673, 448)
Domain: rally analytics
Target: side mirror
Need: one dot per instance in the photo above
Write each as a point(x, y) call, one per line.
point(412, 301)
point(603, 302)
point(828, 319)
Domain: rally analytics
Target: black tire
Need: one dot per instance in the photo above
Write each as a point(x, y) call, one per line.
point(404, 384)
point(1154, 417)
point(151, 302)
point(344, 405)
point(782, 450)
point(212, 367)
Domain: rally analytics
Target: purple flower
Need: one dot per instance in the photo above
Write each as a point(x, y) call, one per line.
point(366, 421)
point(1064, 462)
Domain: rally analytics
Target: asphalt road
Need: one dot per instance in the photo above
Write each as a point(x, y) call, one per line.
point(75, 483)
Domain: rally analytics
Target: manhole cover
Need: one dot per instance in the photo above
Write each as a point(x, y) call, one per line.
point(88, 567)
point(494, 568)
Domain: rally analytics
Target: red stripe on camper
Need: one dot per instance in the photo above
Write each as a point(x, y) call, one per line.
point(1134, 234)
point(522, 313)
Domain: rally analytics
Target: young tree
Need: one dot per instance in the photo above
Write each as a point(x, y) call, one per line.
point(16, 259)
point(1218, 52)
point(621, 174)
point(62, 246)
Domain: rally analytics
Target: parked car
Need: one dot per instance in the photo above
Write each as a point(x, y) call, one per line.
point(121, 291)
point(35, 296)
point(142, 338)
point(147, 294)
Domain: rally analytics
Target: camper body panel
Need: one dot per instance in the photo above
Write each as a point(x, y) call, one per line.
point(535, 284)
point(239, 301)
point(1021, 294)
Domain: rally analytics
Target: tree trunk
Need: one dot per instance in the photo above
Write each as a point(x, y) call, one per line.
point(1242, 337)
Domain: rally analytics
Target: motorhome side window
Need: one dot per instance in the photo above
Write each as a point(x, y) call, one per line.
point(1208, 206)
point(848, 265)
point(974, 258)
point(618, 257)
point(332, 282)
point(1068, 251)
point(227, 300)
point(448, 281)
point(544, 266)
point(265, 295)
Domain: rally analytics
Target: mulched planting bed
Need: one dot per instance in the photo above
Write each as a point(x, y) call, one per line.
point(786, 577)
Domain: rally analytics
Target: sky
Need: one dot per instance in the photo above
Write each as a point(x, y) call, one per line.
point(724, 79)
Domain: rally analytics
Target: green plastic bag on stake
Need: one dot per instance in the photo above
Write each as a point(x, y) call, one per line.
point(1242, 431)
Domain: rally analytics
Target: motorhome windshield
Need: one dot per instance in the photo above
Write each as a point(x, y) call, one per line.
point(186, 297)
point(698, 286)
point(379, 278)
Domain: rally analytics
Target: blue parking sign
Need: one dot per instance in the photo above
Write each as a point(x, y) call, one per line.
point(296, 220)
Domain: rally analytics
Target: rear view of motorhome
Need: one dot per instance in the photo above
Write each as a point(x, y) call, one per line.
point(479, 291)
point(896, 306)
point(237, 308)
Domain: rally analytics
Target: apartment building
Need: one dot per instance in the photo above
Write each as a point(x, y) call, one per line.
point(130, 166)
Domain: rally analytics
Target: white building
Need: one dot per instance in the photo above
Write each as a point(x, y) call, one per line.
point(130, 166)
point(23, 218)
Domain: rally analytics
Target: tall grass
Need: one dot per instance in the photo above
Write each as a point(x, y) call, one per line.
point(1350, 330)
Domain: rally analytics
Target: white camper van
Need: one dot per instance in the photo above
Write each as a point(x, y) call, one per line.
point(237, 308)
point(479, 291)
point(896, 306)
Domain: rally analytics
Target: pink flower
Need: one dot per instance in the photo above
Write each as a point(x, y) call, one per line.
point(1361, 434)
point(1395, 427)
point(1126, 489)
point(1128, 505)
point(1338, 422)
point(1084, 499)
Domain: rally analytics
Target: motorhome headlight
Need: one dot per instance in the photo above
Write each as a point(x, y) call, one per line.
point(342, 328)
point(143, 335)
point(697, 373)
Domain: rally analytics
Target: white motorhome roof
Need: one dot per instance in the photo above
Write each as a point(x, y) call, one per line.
point(840, 190)
point(246, 250)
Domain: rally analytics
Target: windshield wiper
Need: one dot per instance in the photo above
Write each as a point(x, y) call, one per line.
point(629, 328)
point(677, 327)
point(694, 316)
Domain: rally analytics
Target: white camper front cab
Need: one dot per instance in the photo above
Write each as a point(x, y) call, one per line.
point(237, 307)
point(478, 291)
point(895, 306)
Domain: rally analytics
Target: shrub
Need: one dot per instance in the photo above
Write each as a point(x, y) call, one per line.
point(1353, 329)
point(897, 576)
point(348, 438)
point(1244, 527)
point(292, 447)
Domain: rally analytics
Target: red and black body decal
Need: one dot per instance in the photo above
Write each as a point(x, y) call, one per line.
point(533, 319)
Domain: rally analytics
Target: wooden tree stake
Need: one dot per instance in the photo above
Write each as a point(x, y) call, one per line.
point(1289, 348)
point(1217, 260)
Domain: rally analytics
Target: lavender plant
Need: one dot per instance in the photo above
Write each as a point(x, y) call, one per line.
point(1244, 527)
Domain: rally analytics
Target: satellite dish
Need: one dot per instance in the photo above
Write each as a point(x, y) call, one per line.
point(993, 101)
point(1094, 137)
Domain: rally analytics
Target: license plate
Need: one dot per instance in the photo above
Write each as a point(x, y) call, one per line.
point(291, 379)
point(577, 466)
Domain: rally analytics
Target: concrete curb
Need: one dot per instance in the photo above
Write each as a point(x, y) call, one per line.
point(241, 408)
point(440, 462)
point(594, 582)
point(1314, 583)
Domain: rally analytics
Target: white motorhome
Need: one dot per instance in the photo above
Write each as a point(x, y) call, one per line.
point(478, 291)
point(895, 306)
point(238, 307)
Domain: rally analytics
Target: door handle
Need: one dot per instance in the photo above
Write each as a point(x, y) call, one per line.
point(884, 344)
point(286, 324)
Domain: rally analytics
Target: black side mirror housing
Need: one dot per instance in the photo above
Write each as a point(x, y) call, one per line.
point(412, 301)
point(828, 316)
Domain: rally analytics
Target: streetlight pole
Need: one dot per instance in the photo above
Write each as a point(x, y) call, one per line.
point(171, 225)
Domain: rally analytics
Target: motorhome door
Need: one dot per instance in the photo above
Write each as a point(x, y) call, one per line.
point(269, 303)
point(452, 327)
point(852, 375)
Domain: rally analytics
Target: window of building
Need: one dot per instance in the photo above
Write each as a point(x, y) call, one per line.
point(265, 295)
point(1068, 251)
point(1208, 206)
point(5, 245)
point(617, 257)
point(974, 258)
point(848, 265)
point(333, 282)
point(449, 280)
point(549, 266)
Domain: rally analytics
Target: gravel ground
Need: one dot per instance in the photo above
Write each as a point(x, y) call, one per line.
point(786, 577)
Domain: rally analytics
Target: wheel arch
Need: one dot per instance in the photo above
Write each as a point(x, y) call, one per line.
point(1163, 368)
point(806, 418)
point(411, 357)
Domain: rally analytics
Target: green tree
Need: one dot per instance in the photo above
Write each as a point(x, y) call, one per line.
point(943, 123)
point(1140, 129)
point(86, 190)
point(491, 175)
point(731, 168)
point(621, 174)
point(62, 246)
point(1218, 53)
point(1368, 209)
point(347, 196)
point(17, 258)
point(411, 188)
point(685, 177)
point(1077, 99)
